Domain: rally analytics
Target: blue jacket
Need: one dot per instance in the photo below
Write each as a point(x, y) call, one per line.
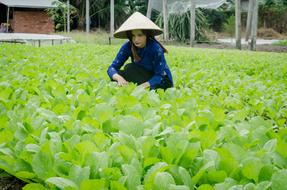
point(152, 59)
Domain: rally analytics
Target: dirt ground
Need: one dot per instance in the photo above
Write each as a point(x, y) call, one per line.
point(11, 183)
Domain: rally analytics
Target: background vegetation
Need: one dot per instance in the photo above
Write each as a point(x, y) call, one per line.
point(272, 14)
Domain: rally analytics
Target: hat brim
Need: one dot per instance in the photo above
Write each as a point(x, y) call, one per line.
point(123, 34)
point(137, 21)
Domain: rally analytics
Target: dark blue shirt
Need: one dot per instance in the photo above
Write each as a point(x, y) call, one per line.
point(152, 59)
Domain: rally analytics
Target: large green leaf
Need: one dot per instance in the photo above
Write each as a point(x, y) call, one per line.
point(33, 186)
point(251, 168)
point(78, 174)
point(131, 125)
point(279, 180)
point(133, 176)
point(93, 184)
point(42, 165)
point(162, 181)
point(62, 182)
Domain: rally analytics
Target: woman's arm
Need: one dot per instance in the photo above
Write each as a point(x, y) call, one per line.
point(120, 59)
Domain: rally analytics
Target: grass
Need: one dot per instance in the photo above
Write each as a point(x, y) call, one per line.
point(94, 37)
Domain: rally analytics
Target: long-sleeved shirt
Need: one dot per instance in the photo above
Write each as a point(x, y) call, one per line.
point(152, 59)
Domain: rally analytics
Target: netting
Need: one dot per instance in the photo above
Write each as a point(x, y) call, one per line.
point(182, 6)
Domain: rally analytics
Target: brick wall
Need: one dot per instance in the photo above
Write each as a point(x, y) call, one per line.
point(32, 21)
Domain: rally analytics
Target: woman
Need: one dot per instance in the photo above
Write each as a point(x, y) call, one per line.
point(148, 67)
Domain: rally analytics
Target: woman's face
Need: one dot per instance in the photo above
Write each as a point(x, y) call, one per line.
point(139, 38)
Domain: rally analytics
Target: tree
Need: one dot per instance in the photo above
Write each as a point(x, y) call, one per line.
point(59, 15)
point(100, 11)
point(273, 14)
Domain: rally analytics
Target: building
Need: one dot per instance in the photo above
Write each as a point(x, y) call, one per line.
point(26, 16)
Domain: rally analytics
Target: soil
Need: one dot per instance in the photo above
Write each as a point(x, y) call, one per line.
point(11, 183)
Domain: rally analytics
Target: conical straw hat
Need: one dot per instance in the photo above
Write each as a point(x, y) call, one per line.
point(137, 21)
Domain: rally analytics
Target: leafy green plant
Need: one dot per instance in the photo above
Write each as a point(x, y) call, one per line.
point(65, 125)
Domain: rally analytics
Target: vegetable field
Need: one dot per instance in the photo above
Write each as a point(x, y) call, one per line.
point(64, 125)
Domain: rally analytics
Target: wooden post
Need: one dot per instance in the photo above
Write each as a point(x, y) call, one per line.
point(249, 19)
point(254, 26)
point(149, 8)
point(68, 16)
point(238, 23)
point(165, 20)
point(192, 23)
point(8, 13)
point(87, 16)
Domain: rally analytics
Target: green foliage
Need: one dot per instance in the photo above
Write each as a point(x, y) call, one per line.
point(65, 125)
point(100, 11)
point(33, 186)
point(272, 14)
point(278, 181)
point(59, 15)
point(179, 26)
point(229, 26)
point(281, 43)
point(216, 18)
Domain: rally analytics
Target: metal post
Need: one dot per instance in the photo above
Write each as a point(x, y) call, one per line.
point(68, 16)
point(8, 13)
point(238, 23)
point(165, 20)
point(149, 8)
point(87, 16)
point(192, 23)
point(254, 26)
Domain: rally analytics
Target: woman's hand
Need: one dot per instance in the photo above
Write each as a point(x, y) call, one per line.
point(121, 81)
point(145, 85)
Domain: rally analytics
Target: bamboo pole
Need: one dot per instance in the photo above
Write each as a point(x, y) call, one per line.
point(68, 16)
point(254, 26)
point(238, 23)
point(249, 19)
point(112, 17)
point(149, 8)
point(165, 19)
point(192, 23)
point(8, 13)
point(87, 16)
